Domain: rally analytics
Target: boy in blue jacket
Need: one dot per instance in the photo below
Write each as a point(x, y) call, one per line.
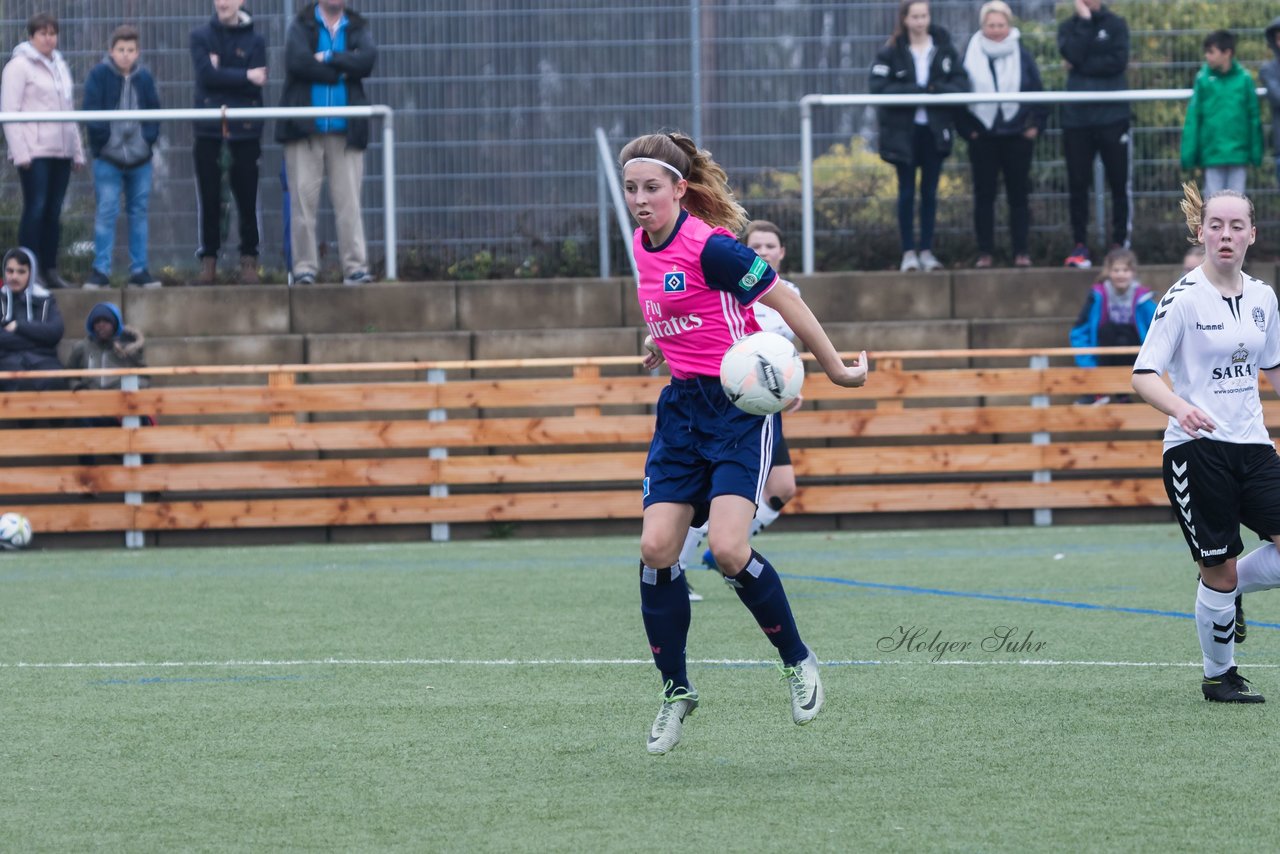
point(121, 156)
point(1117, 313)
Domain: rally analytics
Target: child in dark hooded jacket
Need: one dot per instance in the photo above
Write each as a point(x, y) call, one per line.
point(108, 344)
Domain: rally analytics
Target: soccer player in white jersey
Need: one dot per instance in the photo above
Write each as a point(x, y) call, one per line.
point(1214, 331)
point(765, 239)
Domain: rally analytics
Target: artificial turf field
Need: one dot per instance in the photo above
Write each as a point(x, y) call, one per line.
point(496, 695)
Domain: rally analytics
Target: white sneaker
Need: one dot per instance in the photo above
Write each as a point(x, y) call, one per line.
point(807, 695)
point(928, 262)
point(910, 261)
point(677, 705)
point(694, 596)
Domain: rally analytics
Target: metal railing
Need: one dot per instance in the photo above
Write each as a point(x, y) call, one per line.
point(808, 102)
point(379, 111)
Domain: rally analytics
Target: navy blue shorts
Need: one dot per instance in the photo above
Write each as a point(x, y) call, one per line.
point(703, 446)
point(781, 454)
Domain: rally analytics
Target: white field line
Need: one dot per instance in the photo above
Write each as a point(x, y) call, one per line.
point(566, 662)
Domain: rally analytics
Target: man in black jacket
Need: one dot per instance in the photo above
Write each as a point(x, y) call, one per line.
point(230, 62)
point(1095, 44)
point(329, 51)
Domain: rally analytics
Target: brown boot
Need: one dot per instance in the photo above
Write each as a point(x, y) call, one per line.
point(208, 271)
point(249, 270)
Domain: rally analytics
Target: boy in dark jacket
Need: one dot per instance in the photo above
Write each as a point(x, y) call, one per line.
point(108, 344)
point(121, 156)
point(230, 62)
point(329, 51)
point(1223, 129)
point(30, 325)
point(1094, 43)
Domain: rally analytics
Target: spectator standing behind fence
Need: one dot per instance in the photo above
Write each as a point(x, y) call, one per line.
point(230, 62)
point(30, 324)
point(37, 79)
point(121, 156)
point(918, 58)
point(1270, 74)
point(329, 51)
point(1002, 137)
point(1094, 42)
point(1223, 128)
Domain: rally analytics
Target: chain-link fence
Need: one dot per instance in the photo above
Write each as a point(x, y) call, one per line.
point(497, 102)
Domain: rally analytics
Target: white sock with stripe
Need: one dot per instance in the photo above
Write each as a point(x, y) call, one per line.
point(689, 555)
point(1216, 626)
point(1258, 570)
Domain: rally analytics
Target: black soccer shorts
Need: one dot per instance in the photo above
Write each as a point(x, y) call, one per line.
point(1214, 487)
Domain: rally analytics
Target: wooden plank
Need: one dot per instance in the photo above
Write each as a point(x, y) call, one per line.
point(549, 469)
point(618, 504)
point(399, 510)
point(80, 516)
point(974, 458)
point(1020, 495)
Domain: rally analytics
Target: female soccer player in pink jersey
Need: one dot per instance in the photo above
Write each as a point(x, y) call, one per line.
point(708, 459)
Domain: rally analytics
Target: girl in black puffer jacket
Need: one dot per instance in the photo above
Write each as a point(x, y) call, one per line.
point(918, 58)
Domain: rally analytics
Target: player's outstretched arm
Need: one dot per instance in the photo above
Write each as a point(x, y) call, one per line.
point(797, 315)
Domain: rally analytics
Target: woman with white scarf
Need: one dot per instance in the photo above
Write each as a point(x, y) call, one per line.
point(1001, 135)
point(37, 79)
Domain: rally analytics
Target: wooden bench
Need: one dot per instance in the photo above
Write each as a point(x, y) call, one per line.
point(930, 431)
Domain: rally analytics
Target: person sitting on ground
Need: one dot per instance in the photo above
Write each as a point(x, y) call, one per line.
point(30, 325)
point(108, 344)
point(1117, 313)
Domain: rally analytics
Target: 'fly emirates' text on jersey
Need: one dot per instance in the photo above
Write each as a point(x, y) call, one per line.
point(1213, 348)
point(696, 291)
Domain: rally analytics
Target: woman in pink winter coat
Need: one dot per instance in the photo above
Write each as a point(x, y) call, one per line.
point(37, 79)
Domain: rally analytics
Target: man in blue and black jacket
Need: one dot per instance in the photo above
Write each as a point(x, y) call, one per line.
point(329, 51)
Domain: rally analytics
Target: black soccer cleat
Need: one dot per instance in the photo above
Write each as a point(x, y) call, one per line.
point(1242, 628)
point(1230, 687)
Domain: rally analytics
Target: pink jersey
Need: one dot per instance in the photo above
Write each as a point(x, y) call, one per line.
point(696, 292)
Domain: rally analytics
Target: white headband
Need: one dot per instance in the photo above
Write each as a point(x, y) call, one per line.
point(664, 164)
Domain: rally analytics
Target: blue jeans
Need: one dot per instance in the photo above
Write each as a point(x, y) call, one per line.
point(109, 181)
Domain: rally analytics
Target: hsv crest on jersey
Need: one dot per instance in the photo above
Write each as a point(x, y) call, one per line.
point(673, 283)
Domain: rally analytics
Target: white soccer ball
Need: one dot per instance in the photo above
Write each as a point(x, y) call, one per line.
point(762, 373)
point(15, 531)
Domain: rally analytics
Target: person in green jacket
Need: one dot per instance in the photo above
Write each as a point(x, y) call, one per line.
point(1223, 129)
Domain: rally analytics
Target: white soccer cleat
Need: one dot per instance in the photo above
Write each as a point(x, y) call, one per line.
point(807, 695)
point(677, 705)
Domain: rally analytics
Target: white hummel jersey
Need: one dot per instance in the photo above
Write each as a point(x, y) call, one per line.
point(770, 320)
point(1213, 348)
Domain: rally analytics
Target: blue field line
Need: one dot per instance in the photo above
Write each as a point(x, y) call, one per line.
point(997, 597)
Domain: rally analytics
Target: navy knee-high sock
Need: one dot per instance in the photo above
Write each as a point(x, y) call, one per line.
point(664, 604)
point(760, 589)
